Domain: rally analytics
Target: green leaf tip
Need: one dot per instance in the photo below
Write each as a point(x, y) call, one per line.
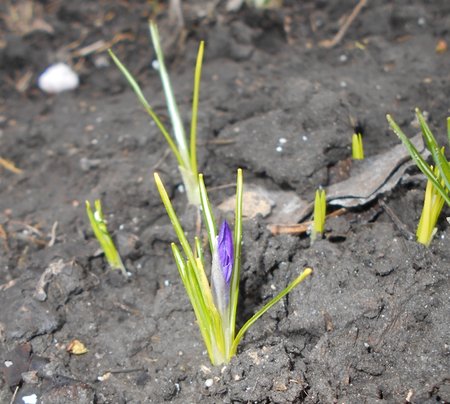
point(99, 227)
point(357, 147)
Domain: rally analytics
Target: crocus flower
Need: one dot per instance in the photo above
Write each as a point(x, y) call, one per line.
point(225, 249)
point(221, 268)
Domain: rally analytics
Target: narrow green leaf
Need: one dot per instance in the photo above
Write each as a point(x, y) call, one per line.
point(436, 151)
point(137, 89)
point(174, 219)
point(211, 228)
point(306, 272)
point(195, 100)
point(177, 123)
point(102, 235)
point(418, 159)
point(448, 130)
point(235, 275)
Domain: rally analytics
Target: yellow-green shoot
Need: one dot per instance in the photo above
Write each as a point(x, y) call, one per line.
point(98, 224)
point(357, 147)
point(215, 302)
point(439, 177)
point(185, 152)
point(320, 211)
point(432, 207)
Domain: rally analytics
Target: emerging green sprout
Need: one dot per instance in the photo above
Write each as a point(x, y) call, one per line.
point(438, 177)
point(320, 211)
point(357, 147)
point(98, 224)
point(215, 303)
point(185, 153)
point(432, 207)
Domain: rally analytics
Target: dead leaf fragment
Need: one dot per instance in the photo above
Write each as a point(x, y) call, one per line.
point(9, 166)
point(76, 347)
point(441, 46)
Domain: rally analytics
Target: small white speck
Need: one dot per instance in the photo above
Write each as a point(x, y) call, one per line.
point(209, 382)
point(378, 87)
point(237, 129)
point(122, 226)
point(94, 141)
point(366, 345)
point(155, 65)
point(97, 216)
point(181, 188)
point(343, 84)
point(166, 283)
point(343, 58)
point(282, 140)
point(8, 364)
point(99, 119)
point(139, 266)
point(32, 399)
point(177, 386)
point(273, 287)
point(279, 149)
point(304, 138)
point(421, 21)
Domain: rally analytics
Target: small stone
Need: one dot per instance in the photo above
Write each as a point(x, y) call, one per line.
point(58, 78)
point(209, 382)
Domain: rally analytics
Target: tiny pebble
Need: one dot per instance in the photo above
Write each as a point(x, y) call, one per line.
point(282, 140)
point(8, 364)
point(166, 283)
point(421, 21)
point(343, 84)
point(58, 78)
point(343, 58)
point(181, 189)
point(209, 382)
point(155, 64)
point(279, 149)
point(32, 399)
point(304, 138)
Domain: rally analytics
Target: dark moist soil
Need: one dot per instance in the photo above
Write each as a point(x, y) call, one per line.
point(371, 324)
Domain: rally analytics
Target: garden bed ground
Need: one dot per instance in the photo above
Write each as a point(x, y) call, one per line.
point(371, 324)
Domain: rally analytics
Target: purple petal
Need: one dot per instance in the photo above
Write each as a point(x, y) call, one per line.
point(225, 249)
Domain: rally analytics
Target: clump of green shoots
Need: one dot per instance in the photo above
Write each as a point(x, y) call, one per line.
point(438, 185)
point(185, 152)
point(357, 147)
point(215, 302)
point(98, 224)
point(320, 212)
point(432, 207)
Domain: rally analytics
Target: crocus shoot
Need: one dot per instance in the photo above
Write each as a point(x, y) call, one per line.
point(185, 152)
point(357, 147)
point(98, 224)
point(320, 211)
point(432, 207)
point(215, 302)
point(438, 177)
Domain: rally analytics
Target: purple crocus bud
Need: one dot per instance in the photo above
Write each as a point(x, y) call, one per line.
point(225, 249)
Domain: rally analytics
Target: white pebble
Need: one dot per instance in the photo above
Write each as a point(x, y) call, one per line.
point(343, 84)
point(304, 138)
point(155, 64)
point(166, 283)
point(209, 382)
point(8, 364)
point(282, 140)
point(32, 399)
point(279, 149)
point(58, 78)
point(181, 188)
point(343, 58)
